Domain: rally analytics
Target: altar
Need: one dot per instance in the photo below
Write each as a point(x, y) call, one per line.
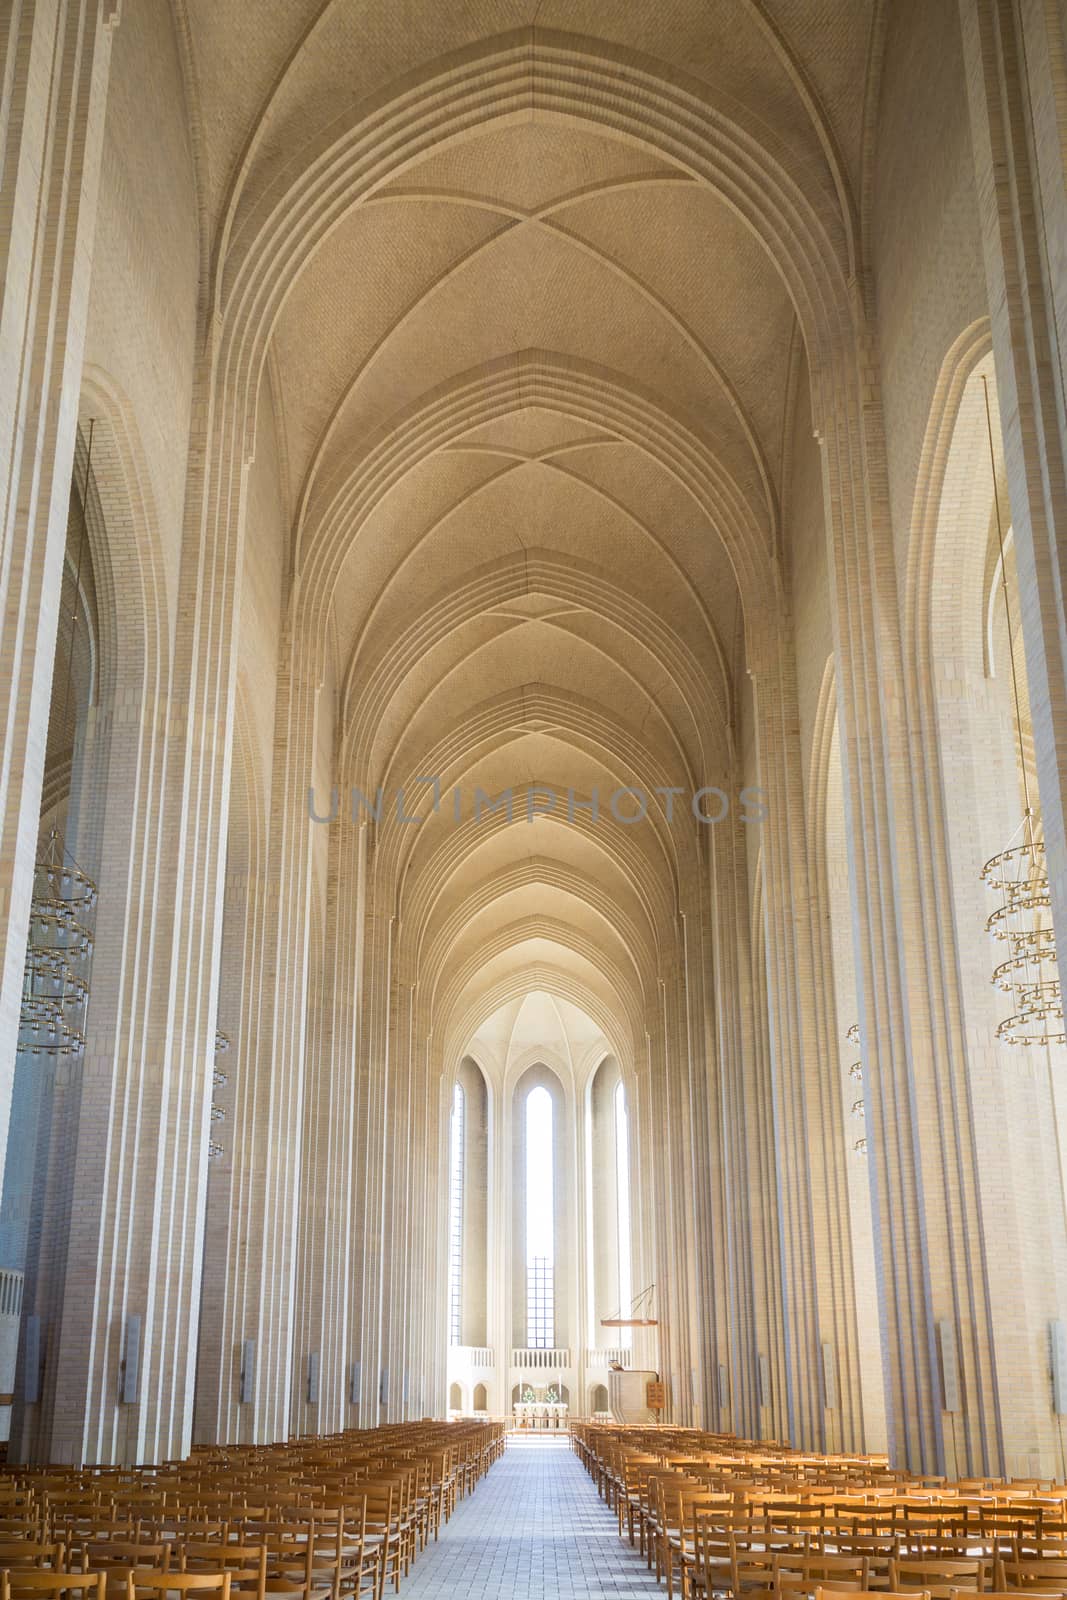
point(541, 1414)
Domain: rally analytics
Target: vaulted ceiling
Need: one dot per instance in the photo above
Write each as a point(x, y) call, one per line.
point(501, 371)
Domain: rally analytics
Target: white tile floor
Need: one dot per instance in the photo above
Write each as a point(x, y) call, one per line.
point(534, 1526)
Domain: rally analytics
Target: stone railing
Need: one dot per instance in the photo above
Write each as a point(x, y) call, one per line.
point(472, 1355)
point(541, 1360)
point(605, 1358)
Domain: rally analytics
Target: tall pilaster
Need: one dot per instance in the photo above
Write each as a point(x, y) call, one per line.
point(1016, 60)
point(55, 55)
point(812, 1198)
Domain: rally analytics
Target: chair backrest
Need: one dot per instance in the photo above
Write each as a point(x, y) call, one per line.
point(36, 1584)
point(30, 1553)
point(882, 1594)
point(937, 1576)
point(1033, 1573)
point(128, 1553)
point(144, 1583)
point(820, 1568)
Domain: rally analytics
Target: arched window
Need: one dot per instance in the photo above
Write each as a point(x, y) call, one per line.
point(540, 1222)
point(455, 1221)
point(622, 1182)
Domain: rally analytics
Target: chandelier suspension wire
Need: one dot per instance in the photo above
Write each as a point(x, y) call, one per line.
point(82, 532)
point(1007, 606)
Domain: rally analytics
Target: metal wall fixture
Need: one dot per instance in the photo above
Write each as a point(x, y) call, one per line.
point(855, 1072)
point(219, 1080)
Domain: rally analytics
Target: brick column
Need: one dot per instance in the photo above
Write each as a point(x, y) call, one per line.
point(56, 56)
point(743, 1202)
point(912, 1236)
point(271, 1159)
point(133, 1245)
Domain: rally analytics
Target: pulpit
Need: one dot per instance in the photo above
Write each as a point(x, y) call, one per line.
point(628, 1396)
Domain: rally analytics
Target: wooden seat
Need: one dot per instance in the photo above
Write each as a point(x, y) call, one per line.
point(246, 1564)
point(117, 1559)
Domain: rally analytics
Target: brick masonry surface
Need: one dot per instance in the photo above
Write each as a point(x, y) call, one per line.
point(534, 1526)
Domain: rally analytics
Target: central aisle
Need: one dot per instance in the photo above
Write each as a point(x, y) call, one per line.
point(533, 1527)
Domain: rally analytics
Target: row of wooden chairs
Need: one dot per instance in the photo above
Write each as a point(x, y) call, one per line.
point(723, 1517)
point(332, 1518)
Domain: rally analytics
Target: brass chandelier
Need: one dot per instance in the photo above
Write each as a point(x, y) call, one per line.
point(1022, 922)
point(55, 988)
point(59, 946)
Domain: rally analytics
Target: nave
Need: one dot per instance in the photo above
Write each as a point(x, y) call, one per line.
point(533, 726)
point(535, 1527)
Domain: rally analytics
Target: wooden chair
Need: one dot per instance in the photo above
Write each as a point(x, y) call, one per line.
point(716, 1550)
point(681, 1506)
point(343, 1555)
point(383, 1533)
point(145, 1583)
point(38, 1585)
point(796, 1580)
point(938, 1577)
point(1034, 1574)
point(289, 1552)
point(23, 1553)
point(754, 1574)
point(116, 1560)
point(246, 1564)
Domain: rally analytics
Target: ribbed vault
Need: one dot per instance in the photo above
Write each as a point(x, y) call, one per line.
point(530, 300)
point(535, 451)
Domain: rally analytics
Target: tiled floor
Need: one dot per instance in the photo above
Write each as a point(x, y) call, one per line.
point(534, 1526)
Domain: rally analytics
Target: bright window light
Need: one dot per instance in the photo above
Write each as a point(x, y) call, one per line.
point(622, 1178)
point(455, 1222)
point(540, 1223)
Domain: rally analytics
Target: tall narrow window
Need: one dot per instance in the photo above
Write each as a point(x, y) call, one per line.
point(622, 1179)
point(540, 1223)
point(455, 1222)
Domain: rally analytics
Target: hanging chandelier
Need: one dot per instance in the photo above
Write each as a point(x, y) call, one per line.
point(1022, 922)
point(55, 988)
point(59, 944)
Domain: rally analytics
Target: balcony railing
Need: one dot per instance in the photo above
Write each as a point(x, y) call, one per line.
point(607, 1358)
point(471, 1355)
point(542, 1360)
